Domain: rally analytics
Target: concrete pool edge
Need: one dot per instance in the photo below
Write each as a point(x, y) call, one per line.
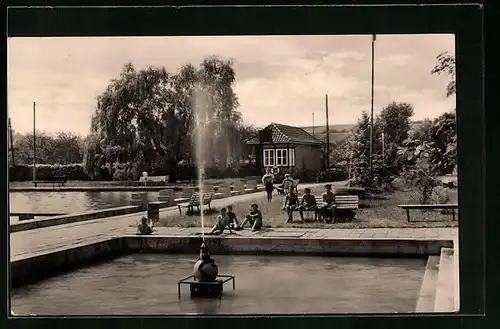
point(33, 268)
point(73, 218)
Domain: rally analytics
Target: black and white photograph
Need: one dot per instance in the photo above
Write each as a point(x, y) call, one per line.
point(242, 174)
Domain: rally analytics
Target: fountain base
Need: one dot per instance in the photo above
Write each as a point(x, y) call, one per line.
point(206, 289)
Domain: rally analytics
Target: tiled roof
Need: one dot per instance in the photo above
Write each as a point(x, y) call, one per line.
point(287, 134)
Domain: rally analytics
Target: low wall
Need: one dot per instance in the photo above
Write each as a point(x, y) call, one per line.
point(33, 269)
point(73, 218)
point(93, 188)
point(293, 246)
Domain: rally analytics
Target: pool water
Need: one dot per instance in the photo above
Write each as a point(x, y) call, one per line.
point(147, 284)
point(69, 202)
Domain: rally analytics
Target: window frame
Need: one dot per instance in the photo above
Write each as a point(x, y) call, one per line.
point(270, 157)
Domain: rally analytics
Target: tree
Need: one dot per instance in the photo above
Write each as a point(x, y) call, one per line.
point(358, 145)
point(394, 122)
point(429, 150)
point(446, 65)
point(68, 148)
point(63, 148)
point(145, 120)
point(23, 149)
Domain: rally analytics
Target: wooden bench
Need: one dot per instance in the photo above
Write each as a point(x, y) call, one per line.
point(184, 195)
point(319, 203)
point(194, 201)
point(349, 203)
point(55, 182)
point(409, 207)
point(341, 203)
point(155, 179)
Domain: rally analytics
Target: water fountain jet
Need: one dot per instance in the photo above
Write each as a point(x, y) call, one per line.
point(205, 280)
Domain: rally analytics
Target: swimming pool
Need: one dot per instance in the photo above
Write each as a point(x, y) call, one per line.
point(141, 284)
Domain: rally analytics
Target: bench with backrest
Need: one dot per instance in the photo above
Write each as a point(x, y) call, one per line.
point(59, 181)
point(163, 179)
point(348, 204)
point(343, 204)
point(153, 179)
point(194, 201)
point(319, 203)
point(184, 195)
point(409, 207)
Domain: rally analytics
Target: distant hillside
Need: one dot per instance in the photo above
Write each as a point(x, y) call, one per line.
point(338, 132)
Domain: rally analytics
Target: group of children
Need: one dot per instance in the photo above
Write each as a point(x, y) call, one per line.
point(227, 219)
point(308, 203)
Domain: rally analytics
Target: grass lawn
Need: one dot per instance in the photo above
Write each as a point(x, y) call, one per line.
point(374, 213)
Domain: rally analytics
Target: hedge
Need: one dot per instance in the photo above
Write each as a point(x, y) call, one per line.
point(73, 171)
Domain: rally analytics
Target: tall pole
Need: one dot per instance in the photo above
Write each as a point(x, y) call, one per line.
point(13, 162)
point(371, 115)
point(34, 143)
point(327, 134)
point(313, 124)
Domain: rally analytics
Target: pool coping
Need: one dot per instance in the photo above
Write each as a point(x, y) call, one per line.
point(28, 269)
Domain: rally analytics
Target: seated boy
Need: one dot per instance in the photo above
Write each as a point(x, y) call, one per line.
point(144, 227)
point(232, 220)
point(308, 203)
point(328, 199)
point(254, 217)
point(222, 223)
point(291, 203)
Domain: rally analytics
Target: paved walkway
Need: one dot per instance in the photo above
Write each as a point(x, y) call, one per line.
point(30, 243)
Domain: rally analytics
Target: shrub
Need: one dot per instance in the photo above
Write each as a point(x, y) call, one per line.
point(124, 172)
point(303, 174)
point(73, 171)
point(333, 174)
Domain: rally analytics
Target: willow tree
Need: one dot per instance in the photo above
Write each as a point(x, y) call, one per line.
point(141, 120)
point(144, 119)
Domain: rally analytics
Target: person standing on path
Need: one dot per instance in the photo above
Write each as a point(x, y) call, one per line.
point(268, 180)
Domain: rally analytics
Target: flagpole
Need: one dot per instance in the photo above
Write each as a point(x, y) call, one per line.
point(34, 143)
point(313, 124)
point(371, 111)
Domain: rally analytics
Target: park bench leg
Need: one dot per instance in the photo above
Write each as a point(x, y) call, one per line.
point(180, 210)
point(453, 213)
point(408, 215)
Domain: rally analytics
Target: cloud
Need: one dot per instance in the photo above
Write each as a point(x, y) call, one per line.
point(278, 78)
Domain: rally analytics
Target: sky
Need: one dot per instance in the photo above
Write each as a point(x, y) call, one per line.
point(280, 79)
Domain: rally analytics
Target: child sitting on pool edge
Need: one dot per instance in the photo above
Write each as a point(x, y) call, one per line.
point(144, 228)
point(222, 223)
point(254, 217)
point(231, 216)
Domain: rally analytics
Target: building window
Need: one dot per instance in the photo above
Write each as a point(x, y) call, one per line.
point(282, 157)
point(291, 154)
point(268, 158)
point(279, 157)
